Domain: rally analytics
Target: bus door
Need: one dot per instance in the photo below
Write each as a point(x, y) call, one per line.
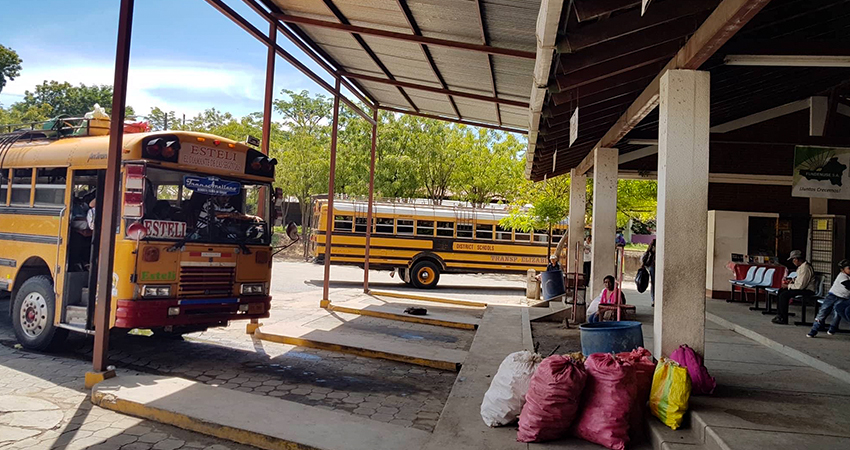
point(83, 246)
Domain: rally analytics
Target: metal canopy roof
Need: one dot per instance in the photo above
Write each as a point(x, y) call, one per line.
point(473, 63)
point(608, 54)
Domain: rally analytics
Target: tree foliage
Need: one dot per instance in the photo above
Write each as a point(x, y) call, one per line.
point(10, 65)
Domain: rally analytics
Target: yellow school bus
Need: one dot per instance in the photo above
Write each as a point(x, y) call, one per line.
point(420, 241)
point(192, 248)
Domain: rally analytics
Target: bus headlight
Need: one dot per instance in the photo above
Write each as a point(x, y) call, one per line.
point(156, 291)
point(253, 289)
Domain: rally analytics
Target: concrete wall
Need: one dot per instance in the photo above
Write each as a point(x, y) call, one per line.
point(727, 233)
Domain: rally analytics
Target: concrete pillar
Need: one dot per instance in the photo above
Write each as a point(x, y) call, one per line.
point(818, 205)
point(682, 211)
point(604, 228)
point(578, 199)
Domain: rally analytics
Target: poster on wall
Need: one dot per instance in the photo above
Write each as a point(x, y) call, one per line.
point(821, 172)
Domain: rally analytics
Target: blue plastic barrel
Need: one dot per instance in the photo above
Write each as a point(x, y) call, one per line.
point(552, 282)
point(610, 337)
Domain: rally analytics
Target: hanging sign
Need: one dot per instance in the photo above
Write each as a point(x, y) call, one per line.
point(212, 185)
point(165, 229)
point(574, 126)
point(251, 140)
point(821, 172)
point(213, 158)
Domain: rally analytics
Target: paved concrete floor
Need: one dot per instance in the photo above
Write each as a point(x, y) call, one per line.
point(386, 391)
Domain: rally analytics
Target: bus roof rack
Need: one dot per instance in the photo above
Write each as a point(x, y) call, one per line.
point(55, 128)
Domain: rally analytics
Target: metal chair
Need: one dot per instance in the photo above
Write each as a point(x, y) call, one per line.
point(766, 282)
point(805, 299)
point(751, 273)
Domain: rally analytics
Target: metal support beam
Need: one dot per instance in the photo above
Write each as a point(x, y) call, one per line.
point(253, 31)
point(592, 9)
point(486, 41)
point(457, 45)
point(371, 201)
point(366, 48)
point(330, 216)
point(729, 17)
point(421, 87)
point(110, 207)
point(449, 119)
point(408, 15)
point(788, 60)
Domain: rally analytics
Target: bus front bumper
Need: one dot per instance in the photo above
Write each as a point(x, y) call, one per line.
point(175, 312)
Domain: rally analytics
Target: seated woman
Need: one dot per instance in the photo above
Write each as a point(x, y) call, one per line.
point(607, 297)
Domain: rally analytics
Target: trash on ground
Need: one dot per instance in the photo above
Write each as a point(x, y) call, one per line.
point(416, 311)
point(553, 399)
point(671, 389)
point(504, 399)
point(607, 402)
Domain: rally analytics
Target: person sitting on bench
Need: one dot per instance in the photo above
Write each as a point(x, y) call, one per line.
point(803, 284)
point(839, 294)
point(605, 298)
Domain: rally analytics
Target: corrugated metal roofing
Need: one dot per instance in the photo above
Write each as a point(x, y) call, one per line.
point(507, 24)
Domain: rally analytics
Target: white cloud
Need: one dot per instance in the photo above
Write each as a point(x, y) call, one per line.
point(170, 85)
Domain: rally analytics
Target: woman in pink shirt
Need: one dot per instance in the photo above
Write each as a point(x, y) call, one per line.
point(606, 298)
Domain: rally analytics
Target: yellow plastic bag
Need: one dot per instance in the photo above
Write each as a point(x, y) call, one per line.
point(671, 389)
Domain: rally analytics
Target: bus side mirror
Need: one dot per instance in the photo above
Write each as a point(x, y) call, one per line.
point(292, 231)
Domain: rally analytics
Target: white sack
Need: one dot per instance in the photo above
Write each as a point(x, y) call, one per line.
point(504, 399)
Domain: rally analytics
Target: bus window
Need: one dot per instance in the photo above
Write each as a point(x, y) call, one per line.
point(519, 236)
point(556, 234)
point(50, 186)
point(360, 225)
point(425, 227)
point(541, 236)
point(502, 234)
point(404, 226)
point(21, 186)
point(464, 231)
point(384, 225)
point(446, 229)
point(4, 185)
point(484, 231)
point(343, 223)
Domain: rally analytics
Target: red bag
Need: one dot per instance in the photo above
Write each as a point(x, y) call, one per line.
point(604, 418)
point(701, 381)
point(552, 401)
point(644, 369)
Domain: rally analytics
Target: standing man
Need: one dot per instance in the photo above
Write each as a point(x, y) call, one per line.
point(648, 262)
point(803, 284)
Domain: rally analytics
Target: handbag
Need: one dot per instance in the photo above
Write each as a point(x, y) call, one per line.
point(642, 279)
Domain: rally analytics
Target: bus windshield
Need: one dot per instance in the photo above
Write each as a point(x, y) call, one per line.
point(193, 207)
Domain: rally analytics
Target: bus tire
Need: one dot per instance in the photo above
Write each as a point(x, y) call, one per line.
point(33, 311)
point(425, 275)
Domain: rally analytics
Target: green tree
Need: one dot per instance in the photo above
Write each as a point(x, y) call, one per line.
point(160, 120)
point(489, 166)
point(64, 98)
point(10, 65)
point(304, 112)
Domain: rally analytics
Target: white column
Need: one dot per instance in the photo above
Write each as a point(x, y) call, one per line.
point(578, 199)
point(680, 266)
point(604, 228)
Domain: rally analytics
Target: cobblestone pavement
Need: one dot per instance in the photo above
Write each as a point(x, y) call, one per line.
point(43, 405)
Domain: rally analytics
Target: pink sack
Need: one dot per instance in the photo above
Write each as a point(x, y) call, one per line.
point(644, 369)
point(552, 401)
point(604, 418)
point(701, 382)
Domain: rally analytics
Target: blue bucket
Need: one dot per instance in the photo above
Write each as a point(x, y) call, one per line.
point(552, 282)
point(610, 337)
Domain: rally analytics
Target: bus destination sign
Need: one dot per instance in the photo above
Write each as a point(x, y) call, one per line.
point(212, 185)
point(213, 158)
point(165, 229)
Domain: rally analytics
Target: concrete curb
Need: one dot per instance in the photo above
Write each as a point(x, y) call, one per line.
point(808, 360)
point(426, 298)
point(402, 317)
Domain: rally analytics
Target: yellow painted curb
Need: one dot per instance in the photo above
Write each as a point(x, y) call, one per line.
point(252, 327)
point(426, 298)
point(403, 318)
point(92, 378)
point(301, 342)
point(188, 423)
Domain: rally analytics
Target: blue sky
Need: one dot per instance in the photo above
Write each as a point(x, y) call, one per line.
point(185, 55)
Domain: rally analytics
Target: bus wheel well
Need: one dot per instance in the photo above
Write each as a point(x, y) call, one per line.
point(427, 256)
point(32, 267)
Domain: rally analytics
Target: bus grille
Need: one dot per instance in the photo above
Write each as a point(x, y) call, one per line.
point(205, 282)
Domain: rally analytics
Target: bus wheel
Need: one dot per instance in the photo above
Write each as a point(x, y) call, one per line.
point(33, 313)
point(425, 275)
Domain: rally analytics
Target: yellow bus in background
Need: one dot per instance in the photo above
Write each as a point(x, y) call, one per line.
point(420, 241)
point(192, 249)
